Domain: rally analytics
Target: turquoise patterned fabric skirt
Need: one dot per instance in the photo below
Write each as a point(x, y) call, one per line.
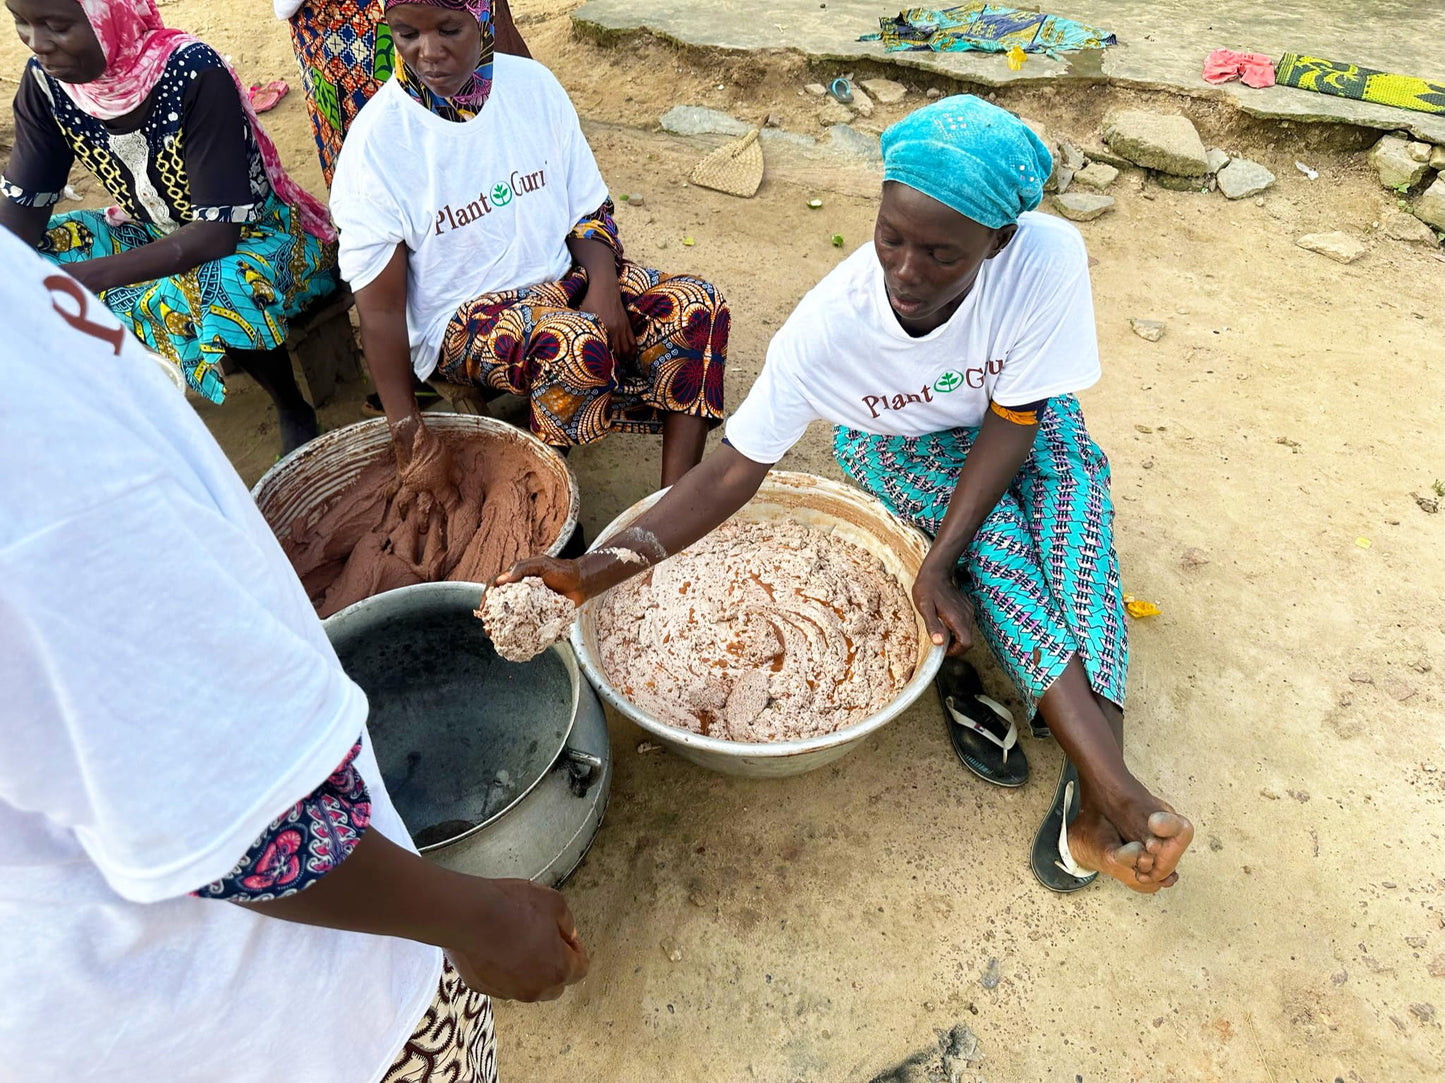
point(1041, 572)
point(241, 302)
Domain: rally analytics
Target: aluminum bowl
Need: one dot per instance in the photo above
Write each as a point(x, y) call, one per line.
point(854, 516)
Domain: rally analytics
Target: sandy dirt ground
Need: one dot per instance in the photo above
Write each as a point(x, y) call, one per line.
point(1288, 698)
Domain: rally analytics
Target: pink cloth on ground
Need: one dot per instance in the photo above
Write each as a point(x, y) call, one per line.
point(1256, 69)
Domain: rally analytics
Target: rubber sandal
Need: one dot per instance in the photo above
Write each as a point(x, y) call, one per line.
point(841, 90)
point(981, 730)
point(265, 97)
point(1052, 863)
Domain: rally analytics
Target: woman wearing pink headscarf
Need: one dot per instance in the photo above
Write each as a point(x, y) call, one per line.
point(211, 247)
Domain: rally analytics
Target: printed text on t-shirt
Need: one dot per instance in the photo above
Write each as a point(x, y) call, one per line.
point(450, 218)
point(948, 380)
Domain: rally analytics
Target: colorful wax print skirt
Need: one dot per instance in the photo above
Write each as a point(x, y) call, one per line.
point(240, 302)
point(346, 54)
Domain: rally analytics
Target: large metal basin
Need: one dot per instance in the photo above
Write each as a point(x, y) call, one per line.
point(301, 486)
point(853, 515)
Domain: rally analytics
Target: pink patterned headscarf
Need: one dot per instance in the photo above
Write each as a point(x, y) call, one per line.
point(137, 46)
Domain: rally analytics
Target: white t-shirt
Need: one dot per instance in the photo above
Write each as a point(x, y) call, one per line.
point(481, 206)
point(165, 692)
point(1024, 332)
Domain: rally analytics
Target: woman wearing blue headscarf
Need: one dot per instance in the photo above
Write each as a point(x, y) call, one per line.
point(947, 352)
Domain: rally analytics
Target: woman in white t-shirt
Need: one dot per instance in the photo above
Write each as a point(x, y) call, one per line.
point(947, 352)
point(477, 235)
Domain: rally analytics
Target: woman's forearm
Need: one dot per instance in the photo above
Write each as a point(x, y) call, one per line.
point(381, 304)
point(596, 258)
point(707, 495)
point(27, 223)
point(998, 453)
point(184, 250)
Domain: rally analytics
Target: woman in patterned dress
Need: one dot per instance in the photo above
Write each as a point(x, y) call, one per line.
point(491, 258)
point(345, 51)
point(211, 248)
point(946, 353)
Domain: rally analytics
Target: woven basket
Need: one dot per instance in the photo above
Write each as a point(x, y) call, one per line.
point(736, 169)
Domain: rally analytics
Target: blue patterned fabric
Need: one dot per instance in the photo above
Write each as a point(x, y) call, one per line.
point(240, 302)
point(1041, 572)
point(987, 28)
point(303, 844)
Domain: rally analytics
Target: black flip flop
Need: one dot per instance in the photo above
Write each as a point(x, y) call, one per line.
point(980, 729)
point(1050, 860)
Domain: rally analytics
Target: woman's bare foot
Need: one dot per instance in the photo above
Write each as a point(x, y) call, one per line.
point(1137, 839)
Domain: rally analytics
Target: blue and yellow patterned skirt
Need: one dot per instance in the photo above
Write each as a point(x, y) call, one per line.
point(241, 302)
point(1041, 572)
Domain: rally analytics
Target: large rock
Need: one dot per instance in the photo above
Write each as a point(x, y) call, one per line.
point(1182, 184)
point(1096, 176)
point(698, 120)
point(850, 141)
point(1437, 158)
point(834, 112)
point(1419, 151)
point(1073, 157)
point(1340, 247)
point(1216, 158)
point(1242, 178)
point(861, 103)
point(1167, 143)
point(1063, 173)
point(1430, 207)
point(1396, 166)
point(1406, 227)
point(1082, 207)
point(885, 90)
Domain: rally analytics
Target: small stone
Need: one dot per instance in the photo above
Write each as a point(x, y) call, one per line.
point(1393, 162)
point(861, 103)
point(1345, 699)
point(1428, 504)
point(934, 94)
point(1421, 666)
point(1269, 794)
point(1436, 969)
point(697, 120)
point(1145, 429)
point(1216, 158)
point(672, 949)
point(990, 977)
point(1437, 157)
point(1398, 690)
point(1423, 1012)
point(1416, 942)
point(644, 747)
point(1147, 464)
point(1360, 676)
point(928, 1005)
point(885, 90)
point(1216, 843)
point(1148, 330)
point(1168, 143)
point(1194, 558)
point(1338, 246)
point(1400, 226)
point(633, 199)
point(697, 899)
point(773, 121)
point(1302, 796)
point(1097, 176)
point(1339, 977)
point(1259, 201)
point(1242, 178)
point(833, 112)
point(816, 89)
point(1419, 152)
point(1080, 207)
point(1073, 157)
point(1171, 183)
point(1430, 207)
point(1060, 179)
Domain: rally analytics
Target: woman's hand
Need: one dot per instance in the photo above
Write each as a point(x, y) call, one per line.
point(946, 613)
point(562, 577)
point(521, 943)
point(604, 300)
point(92, 274)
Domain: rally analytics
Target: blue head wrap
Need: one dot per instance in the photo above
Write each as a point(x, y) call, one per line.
point(979, 159)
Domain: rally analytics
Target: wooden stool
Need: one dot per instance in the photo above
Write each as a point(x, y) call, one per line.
point(322, 346)
point(464, 398)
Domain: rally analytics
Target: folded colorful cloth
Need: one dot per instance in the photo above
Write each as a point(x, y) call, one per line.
point(1362, 84)
point(989, 28)
point(1255, 69)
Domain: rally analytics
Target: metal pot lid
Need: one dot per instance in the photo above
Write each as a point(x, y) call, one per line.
point(461, 735)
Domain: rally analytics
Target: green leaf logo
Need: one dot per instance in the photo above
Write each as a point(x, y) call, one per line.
point(949, 381)
point(501, 195)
